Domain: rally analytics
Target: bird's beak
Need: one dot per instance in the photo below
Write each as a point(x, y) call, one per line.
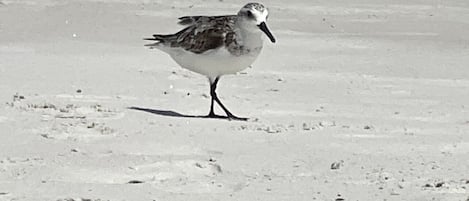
point(266, 30)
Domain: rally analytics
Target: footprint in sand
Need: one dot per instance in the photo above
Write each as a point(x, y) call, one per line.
point(17, 167)
point(78, 119)
point(176, 176)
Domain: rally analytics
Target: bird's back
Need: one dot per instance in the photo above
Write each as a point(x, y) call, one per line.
point(202, 33)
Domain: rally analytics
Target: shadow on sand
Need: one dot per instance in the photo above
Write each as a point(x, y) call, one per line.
point(170, 113)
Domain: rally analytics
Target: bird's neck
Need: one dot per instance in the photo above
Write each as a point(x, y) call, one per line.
point(250, 39)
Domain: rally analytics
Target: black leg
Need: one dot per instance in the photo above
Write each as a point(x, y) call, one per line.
point(213, 94)
point(213, 87)
point(212, 100)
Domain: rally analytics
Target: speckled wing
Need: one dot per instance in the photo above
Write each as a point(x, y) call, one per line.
point(201, 34)
point(191, 20)
point(204, 32)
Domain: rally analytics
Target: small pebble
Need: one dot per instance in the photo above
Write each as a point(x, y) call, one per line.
point(211, 159)
point(439, 184)
point(368, 127)
point(336, 165)
point(135, 182)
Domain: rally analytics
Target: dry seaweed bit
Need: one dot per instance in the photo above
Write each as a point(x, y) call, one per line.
point(135, 182)
point(336, 165)
point(439, 184)
point(18, 97)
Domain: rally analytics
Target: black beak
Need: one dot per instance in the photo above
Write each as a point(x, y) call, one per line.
point(266, 30)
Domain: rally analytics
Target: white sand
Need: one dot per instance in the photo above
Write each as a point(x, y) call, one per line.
point(380, 89)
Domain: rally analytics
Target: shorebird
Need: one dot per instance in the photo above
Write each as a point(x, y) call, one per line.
point(217, 45)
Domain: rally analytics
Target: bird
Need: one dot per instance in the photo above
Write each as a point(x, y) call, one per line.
point(214, 46)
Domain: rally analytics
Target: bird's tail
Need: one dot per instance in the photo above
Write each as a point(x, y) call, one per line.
point(160, 39)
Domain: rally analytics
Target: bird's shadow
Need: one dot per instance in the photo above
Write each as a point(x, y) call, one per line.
point(170, 113)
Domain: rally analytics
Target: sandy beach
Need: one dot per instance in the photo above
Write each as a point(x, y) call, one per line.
point(358, 100)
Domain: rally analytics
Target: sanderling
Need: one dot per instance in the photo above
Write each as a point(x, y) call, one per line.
point(217, 45)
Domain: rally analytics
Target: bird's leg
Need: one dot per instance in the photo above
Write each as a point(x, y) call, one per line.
point(213, 94)
point(212, 114)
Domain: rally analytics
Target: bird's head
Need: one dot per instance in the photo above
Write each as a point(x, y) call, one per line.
point(255, 15)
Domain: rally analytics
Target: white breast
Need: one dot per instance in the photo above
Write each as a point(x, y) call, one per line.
point(215, 62)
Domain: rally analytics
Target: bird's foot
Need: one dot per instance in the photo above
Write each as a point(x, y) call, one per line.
point(232, 117)
point(214, 116)
point(229, 117)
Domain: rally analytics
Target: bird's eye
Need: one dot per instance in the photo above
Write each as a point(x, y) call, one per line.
point(250, 15)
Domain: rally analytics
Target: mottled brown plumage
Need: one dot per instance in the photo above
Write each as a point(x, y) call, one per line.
point(202, 33)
